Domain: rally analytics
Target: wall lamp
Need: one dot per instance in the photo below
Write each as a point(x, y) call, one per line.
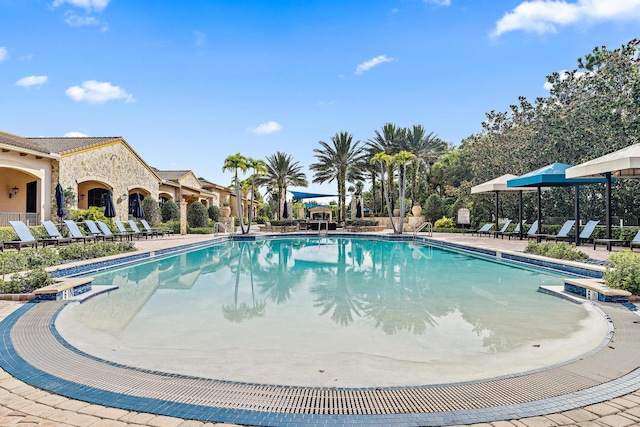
point(82, 196)
point(13, 192)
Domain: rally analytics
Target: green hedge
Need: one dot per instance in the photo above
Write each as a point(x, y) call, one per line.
point(556, 250)
point(362, 222)
point(623, 271)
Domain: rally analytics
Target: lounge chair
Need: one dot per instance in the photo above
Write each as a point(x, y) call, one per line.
point(54, 235)
point(514, 232)
point(108, 233)
point(485, 229)
point(563, 233)
point(159, 231)
point(135, 229)
point(75, 232)
point(123, 230)
point(506, 225)
point(93, 229)
point(634, 242)
point(585, 234)
point(25, 236)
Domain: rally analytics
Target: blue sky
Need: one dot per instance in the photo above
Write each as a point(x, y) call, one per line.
point(188, 83)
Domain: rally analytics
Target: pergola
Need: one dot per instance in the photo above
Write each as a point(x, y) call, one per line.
point(321, 210)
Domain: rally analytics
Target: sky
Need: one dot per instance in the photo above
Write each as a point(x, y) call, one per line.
point(188, 83)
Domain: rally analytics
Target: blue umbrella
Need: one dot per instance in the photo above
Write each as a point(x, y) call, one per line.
point(137, 207)
point(285, 211)
point(109, 207)
point(60, 201)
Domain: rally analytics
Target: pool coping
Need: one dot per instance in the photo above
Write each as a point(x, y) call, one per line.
point(618, 387)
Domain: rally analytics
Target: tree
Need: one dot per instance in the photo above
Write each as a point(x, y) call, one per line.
point(383, 160)
point(235, 162)
point(282, 172)
point(427, 148)
point(259, 168)
point(170, 211)
point(197, 215)
point(343, 162)
point(402, 159)
point(151, 210)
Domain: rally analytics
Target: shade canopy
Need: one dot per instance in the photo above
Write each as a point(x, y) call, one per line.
point(498, 184)
point(285, 210)
point(109, 207)
point(137, 210)
point(623, 163)
point(61, 211)
point(552, 175)
point(301, 195)
point(358, 210)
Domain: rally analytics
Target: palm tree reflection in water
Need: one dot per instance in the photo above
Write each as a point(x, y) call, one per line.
point(237, 313)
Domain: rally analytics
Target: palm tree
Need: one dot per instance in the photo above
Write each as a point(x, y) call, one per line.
point(427, 148)
point(402, 159)
point(344, 161)
point(391, 140)
point(235, 162)
point(383, 160)
point(259, 168)
point(282, 172)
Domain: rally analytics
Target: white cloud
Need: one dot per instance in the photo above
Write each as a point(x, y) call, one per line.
point(95, 92)
point(81, 21)
point(439, 2)
point(32, 81)
point(89, 5)
point(201, 38)
point(267, 128)
point(545, 16)
point(367, 65)
point(4, 53)
point(75, 135)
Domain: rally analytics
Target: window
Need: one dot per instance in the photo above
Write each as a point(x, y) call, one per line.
point(96, 197)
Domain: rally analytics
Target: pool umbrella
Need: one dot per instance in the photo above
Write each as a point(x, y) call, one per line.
point(499, 185)
point(285, 211)
point(358, 210)
point(137, 207)
point(60, 200)
point(624, 163)
point(109, 208)
point(553, 175)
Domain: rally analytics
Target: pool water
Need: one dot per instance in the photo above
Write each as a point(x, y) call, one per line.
point(331, 312)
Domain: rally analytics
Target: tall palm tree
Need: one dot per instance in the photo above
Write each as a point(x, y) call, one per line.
point(233, 163)
point(391, 140)
point(259, 168)
point(427, 147)
point(342, 162)
point(402, 159)
point(383, 160)
point(282, 172)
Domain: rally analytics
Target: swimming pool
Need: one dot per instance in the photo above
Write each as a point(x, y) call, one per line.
point(331, 312)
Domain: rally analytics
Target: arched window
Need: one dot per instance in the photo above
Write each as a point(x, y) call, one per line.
point(96, 197)
point(162, 201)
point(132, 197)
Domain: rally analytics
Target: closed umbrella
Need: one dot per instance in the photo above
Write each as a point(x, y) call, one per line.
point(137, 207)
point(60, 201)
point(109, 207)
point(358, 210)
point(285, 211)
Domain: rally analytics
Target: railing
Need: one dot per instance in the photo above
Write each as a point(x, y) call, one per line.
point(216, 228)
point(422, 226)
point(29, 218)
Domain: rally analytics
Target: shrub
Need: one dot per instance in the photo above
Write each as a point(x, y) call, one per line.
point(433, 208)
point(556, 250)
point(214, 213)
point(203, 230)
point(170, 211)
point(444, 222)
point(261, 219)
point(151, 210)
point(32, 280)
point(14, 261)
point(197, 215)
point(80, 251)
point(94, 213)
point(623, 271)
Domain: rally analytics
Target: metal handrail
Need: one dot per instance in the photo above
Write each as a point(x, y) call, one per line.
point(216, 226)
point(422, 226)
point(326, 229)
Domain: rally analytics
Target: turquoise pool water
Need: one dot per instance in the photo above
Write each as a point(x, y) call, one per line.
point(331, 312)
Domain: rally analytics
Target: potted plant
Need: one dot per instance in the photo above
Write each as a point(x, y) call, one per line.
point(225, 209)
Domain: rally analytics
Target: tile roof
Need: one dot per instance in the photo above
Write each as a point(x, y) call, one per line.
point(21, 142)
point(172, 175)
point(64, 145)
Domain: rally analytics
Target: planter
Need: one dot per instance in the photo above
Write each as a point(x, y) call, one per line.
point(416, 210)
point(396, 212)
point(226, 211)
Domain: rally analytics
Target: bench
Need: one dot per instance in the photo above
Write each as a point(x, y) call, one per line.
point(63, 289)
point(595, 289)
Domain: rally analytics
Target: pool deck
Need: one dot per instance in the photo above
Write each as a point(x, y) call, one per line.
point(602, 388)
